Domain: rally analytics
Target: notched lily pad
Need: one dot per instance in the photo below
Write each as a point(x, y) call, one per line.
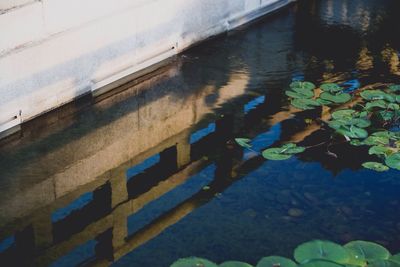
point(331, 87)
point(243, 142)
point(393, 161)
point(304, 85)
point(319, 249)
point(337, 98)
point(376, 166)
point(235, 264)
point(193, 262)
point(367, 250)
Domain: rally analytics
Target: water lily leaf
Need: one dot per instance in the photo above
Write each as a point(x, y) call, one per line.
point(235, 264)
point(386, 115)
point(362, 123)
point(367, 250)
point(273, 261)
point(295, 94)
point(304, 85)
point(305, 103)
point(383, 263)
point(393, 106)
point(394, 87)
point(395, 258)
point(356, 142)
point(376, 140)
point(373, 95)
point(275, 154)
point(343, 114)
point(319, 249)
point(323, 102)
point(321, 263)
point(292, 149)
point(398, 99)
point(307, 93)
point(243, 142)
point(339, 98)
point(393, 161)
point(376, 104)
point(193, 262)
point(331, 87)
point(380, 150)
point(352, 132)
point(376, 166)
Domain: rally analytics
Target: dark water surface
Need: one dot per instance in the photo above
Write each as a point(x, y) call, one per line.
point(150, 174)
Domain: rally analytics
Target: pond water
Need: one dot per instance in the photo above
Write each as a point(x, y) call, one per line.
point(151, 174)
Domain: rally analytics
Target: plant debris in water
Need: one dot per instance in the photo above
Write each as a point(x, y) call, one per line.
point(369, 121)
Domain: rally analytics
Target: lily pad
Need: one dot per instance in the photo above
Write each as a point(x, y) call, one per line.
point(376, 140)
point(305, 103)
point(193, 262)
point(275, 154)
point(337, 98)
point(393, 161)
point(376, 166)
point(353, 132)
point(380, 151)
point(394, 87)
point(235, 264)
point(321, 263)
point(274, 261)
point(395, 258)
point(319, 249)
point(306, 92)
point(343, 114)
point(331, 87)
point(304, 85)
point(383, 263)
point(292, 149)
point(375, 95)
point(323, 102)
point(376, 104)
point(243, 142)
point(367, 250)
point(293, 94)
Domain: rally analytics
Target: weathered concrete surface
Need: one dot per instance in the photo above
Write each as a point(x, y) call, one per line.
point(53, 51)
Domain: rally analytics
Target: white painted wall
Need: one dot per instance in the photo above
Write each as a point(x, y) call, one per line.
point(53, 51)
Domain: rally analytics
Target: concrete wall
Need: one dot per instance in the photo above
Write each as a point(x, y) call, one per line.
point(53, 51)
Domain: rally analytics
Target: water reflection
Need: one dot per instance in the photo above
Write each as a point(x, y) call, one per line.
point(150, 174)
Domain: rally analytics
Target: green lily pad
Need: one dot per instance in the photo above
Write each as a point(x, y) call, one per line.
point(376, 104)
point(305, 103)
point(193, 262)
point(293, 94)
point(307, 93)
point(343, 114)
point(356, 142)
point(243, 142)
point(323, 102)
point(395, 258)
point(383, 263)
point(292, 149)
point(374, 140)
point(380, 151)
point(367, 250)
point(304, 85)
point(353, 132)
point(386, 115)
point(331, 87)
point(393, 161)
point(338, 98)
point(319, 249)
point(373, 95)
point(273, 261)
point(394, 87)
point(235, 264)
point(321, 263)
point(393, 106)
point(275, 154)
point(376, 166)
point(398, 99)
point(362, 123)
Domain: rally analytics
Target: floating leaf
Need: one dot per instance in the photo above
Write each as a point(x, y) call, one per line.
point(305, 103)
point(193, 262)
point(323, 102)
point(235, 264)
point(393, 106)
point(362, 123)
point(386, 115)
point(394, 87)
point(398, 99)
point(395, 258)
point(321, 263)
point(275, 154)
point(338, 98)
point(376, 104)
point(331, 87)
point(307, 93)
point(304, 85)
point(383, 263)
point(380, 150)
point(353, 132)
point(393, 161)
point(376, 140)
point(343, 114)
point(373, 95)
point(295, 94)
point(367, 250)
point(243, 142)
point(292, 149)
point(376, 166)
point(356, 142)
point(273, 261)
point(319, 249)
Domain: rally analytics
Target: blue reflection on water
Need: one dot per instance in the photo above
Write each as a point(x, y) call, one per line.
point(135, 170)
point(196, 136)
point(79, 203)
